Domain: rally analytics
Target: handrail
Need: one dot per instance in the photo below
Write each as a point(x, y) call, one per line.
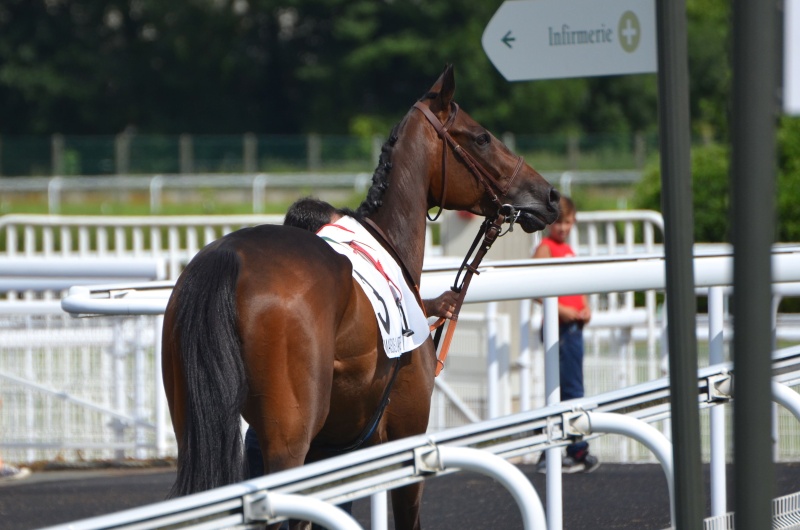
point(606, 216)
point(501, 280)
point(394, 464)
point(137, 220)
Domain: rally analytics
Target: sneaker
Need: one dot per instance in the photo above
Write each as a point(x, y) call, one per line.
point(590, 463)
point(587, 464)
point(570, 464)
point(8, 472)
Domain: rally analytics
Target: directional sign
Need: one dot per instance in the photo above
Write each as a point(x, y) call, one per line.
point(549, 39)
point(791, 57)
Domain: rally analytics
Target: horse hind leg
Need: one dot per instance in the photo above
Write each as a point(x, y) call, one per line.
point(284, 446)
point(287, 405)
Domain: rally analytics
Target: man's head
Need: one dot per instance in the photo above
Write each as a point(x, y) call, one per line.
point(311, 214)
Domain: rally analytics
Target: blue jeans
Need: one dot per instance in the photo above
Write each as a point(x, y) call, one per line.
point(254, 460)
point(570, 357)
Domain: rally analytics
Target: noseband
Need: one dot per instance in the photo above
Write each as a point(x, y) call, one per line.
point(494, 188)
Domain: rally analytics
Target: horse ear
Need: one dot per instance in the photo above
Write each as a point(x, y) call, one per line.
point(444, 87)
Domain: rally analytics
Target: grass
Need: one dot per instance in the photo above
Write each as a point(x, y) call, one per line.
point(209, 202)
point(195, 203)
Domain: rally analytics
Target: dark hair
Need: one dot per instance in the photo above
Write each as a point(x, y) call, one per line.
point(566, 207)
point(309, 213)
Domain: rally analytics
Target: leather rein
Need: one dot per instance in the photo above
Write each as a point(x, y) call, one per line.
point(490, 229)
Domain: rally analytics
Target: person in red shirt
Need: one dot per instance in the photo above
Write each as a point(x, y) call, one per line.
point(573, 313)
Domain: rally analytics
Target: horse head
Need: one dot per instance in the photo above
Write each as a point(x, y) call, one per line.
point(476, 172)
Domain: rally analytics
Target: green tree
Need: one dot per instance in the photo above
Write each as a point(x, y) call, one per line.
point(710, 195)
point(708, 34)
point(294, 66)
point(711, 188)
point(789, 179)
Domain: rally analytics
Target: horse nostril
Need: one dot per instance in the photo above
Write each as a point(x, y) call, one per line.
point(555, 197)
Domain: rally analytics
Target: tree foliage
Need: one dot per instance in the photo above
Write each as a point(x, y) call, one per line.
point(789, 180)
point(268, 66)
point(711, 188)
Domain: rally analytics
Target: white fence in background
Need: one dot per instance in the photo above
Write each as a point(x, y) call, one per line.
point(309, 492)
point(369, 472)
point(174, 239)
point(618, 353)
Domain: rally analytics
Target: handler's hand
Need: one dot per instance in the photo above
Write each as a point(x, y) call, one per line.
point(443, 305)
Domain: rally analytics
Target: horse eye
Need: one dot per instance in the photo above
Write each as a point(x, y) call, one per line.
point(483, 139)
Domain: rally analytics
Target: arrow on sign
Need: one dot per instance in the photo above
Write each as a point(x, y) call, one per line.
point(508, 39)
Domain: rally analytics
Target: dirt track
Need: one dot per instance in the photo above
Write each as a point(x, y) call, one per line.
point(615, 496)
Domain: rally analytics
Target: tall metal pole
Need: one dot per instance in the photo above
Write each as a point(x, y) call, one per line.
point(676, 199)
point(755, 106)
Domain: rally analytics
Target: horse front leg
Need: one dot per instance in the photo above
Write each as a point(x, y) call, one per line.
point(407, 503)
point(407, 415)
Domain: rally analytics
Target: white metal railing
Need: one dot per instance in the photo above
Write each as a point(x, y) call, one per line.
point(59, 274)
point(567, 178)
point(53, 336)
point(457, 399)
point(49, 408)
point(174, 238)
point(178, 238)
point(515, 280)
point(371, 471)
point(616, 273)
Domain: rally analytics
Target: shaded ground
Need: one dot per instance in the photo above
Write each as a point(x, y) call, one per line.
point(615, 496)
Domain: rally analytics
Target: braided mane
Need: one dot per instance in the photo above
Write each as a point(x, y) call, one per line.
point(380, 179)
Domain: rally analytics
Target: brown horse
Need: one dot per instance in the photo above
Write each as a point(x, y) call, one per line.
point(268, 323)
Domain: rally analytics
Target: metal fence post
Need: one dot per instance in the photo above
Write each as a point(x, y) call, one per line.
point(755, 107)
point(57, 154)
point(186, 154)
point(54, 195)
point(552, 384)
point(250, 153)
point(314, 152)
point(524, 359)
point(259, 192)
point(492, 362)
point(139, 377)
point(156, 183)
point(716, 344)
point(120, 401)
point(122, 153)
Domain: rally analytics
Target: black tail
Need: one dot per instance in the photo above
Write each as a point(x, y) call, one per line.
point(213, 369)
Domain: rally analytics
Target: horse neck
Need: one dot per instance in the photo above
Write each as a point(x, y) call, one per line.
point(402, 216)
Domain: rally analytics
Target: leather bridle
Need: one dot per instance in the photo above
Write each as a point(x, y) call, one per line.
point(490, 230)
point(494, 187)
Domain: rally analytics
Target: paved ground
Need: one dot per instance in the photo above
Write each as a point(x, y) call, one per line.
point(615, 496)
